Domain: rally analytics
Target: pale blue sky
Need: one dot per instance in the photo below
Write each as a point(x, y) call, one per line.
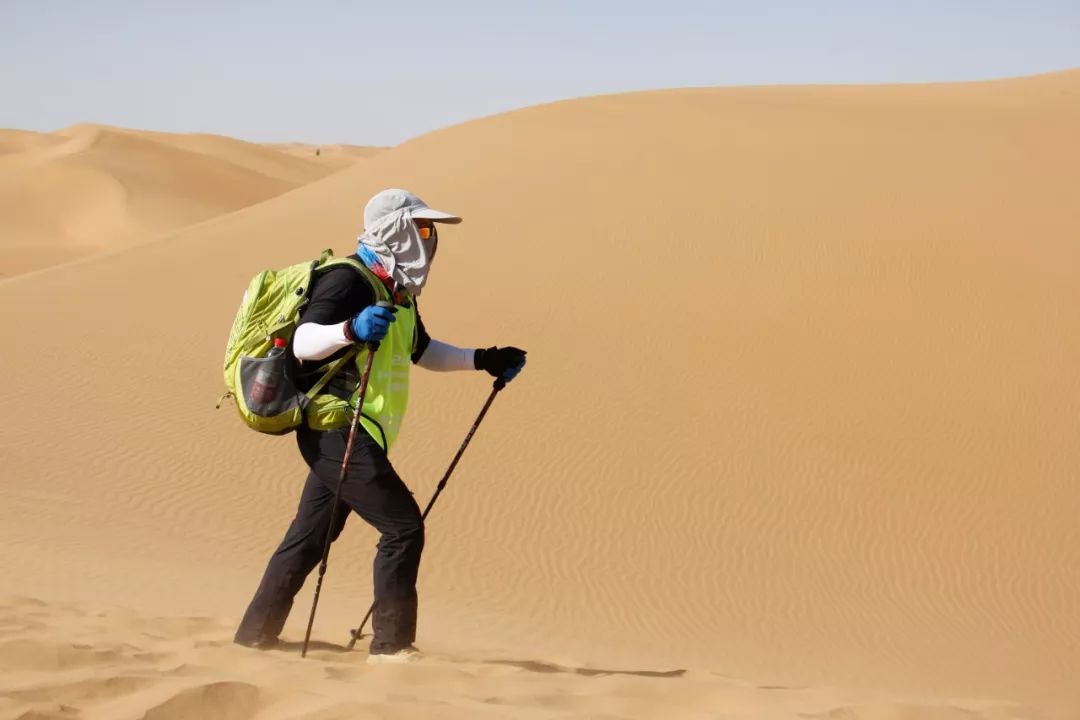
point(379, 73)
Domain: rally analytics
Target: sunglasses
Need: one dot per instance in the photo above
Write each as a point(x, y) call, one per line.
point(427, 231)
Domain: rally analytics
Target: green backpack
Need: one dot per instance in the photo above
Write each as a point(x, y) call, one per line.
point(259, 373)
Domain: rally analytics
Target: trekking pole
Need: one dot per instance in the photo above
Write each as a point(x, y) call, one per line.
point(500, 383)
point(372, 348)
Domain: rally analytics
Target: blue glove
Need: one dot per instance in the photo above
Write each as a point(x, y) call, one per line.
point(371, 324)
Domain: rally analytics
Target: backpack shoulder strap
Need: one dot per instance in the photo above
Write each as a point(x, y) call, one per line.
point(377, 286)
point(327, 262)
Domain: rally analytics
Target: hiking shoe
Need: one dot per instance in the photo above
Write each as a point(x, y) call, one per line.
point(261, 643)
point(404, 655)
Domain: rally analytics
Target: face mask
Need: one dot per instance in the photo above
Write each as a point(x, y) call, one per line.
point(401, 249)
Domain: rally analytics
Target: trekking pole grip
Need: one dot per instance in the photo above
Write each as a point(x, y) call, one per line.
point(373, 345)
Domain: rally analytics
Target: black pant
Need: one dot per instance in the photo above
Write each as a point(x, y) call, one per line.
point(375, 492)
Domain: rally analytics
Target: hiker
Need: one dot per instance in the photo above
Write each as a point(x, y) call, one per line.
point(395, 252)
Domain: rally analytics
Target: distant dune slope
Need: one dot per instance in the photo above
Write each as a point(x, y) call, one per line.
point(89, 189)
point(343, 155)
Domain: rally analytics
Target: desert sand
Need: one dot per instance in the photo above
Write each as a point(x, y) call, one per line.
point(89, 189)
point(336, 155)
point(797, 436)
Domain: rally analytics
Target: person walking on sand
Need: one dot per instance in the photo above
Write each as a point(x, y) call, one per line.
point(395, 252)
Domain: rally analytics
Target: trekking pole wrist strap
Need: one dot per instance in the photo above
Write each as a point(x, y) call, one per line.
point(349, 334)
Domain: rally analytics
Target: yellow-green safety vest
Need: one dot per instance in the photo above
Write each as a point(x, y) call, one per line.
point(388, 387)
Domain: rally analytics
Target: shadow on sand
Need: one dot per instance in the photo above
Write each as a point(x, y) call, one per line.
point(530, 665)
point(542, 667)
point(313, 646)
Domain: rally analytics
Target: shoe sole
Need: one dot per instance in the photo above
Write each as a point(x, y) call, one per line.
point(392, 659)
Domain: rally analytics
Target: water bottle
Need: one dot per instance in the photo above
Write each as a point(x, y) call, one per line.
point(265, 386)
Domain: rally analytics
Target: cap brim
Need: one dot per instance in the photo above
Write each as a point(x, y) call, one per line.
point(436, 216)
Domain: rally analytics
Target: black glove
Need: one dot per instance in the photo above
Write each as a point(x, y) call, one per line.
point(500, 362)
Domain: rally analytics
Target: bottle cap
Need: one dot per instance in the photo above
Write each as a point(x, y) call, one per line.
point(280, 342)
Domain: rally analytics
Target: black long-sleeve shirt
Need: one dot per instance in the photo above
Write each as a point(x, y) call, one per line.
point(338, 295)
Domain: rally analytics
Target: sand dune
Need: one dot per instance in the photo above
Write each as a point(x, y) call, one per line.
point(89, 189)
point(19, 141)
point(338, 155)
point(800, 411)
